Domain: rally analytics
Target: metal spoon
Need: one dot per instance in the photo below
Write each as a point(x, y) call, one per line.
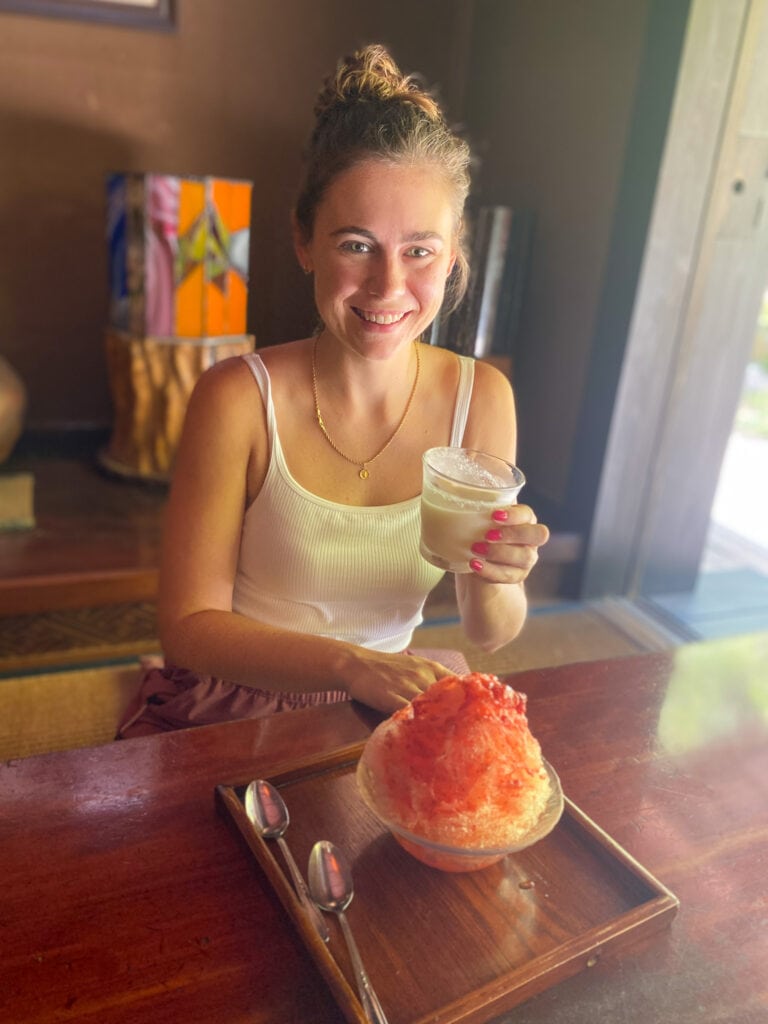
point(268, 814)
point(330, 882)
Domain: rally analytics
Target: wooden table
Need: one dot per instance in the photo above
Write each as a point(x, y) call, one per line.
point(126, 898)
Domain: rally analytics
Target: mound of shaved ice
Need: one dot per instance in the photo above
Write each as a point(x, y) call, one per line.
point(459, 765)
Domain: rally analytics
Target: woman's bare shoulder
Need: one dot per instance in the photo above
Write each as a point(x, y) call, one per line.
point(224, 393)
point(228, 391)
point(226, 374)
point(492, 421)
point(231, 379)
point(491, 382)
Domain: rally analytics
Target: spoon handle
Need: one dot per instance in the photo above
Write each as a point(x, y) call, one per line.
point(368, 997)
point(301, 889)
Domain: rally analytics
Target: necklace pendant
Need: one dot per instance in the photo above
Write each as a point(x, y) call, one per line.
point(363, 474)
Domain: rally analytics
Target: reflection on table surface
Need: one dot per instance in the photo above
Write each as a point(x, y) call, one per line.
point(126, 898)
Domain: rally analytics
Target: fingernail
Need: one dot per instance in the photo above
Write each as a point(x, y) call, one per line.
point(500, 515)
point(480, 548)
point(476, 565)
point(493, 535)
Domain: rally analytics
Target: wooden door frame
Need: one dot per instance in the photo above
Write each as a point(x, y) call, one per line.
point(673, 414)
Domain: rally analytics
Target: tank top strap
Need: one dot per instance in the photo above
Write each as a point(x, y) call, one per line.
point(463, 399)
point(259, 371)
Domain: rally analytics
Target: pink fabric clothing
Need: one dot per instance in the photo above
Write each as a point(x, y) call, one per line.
point(174, 698)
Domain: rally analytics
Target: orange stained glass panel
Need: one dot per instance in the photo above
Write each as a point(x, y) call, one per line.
point(238, 303)
point(191, 203)
point(189, 304)
point(240, 206)
point(215, 310)
point(233, 201)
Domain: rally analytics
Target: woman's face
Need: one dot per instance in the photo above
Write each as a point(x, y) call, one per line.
point(382, 248)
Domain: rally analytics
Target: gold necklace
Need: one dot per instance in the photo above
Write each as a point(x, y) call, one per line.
point(363, 472)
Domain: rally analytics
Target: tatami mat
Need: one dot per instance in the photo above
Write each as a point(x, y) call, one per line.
point(61, 710)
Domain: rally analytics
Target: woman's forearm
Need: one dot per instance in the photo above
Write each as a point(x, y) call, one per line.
point(492, 614)
point(232, 647)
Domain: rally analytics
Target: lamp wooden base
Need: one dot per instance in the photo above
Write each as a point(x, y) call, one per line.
point(151, 380)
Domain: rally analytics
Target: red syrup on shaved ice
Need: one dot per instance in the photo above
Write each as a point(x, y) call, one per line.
point(459, 768)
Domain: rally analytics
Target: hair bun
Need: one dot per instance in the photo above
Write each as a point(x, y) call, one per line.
point(368, 109)
point(371, 75)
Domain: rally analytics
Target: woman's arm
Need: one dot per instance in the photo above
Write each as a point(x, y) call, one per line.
point(492, 601)
point(220, 466)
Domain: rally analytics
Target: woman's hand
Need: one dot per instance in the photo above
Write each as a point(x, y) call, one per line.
point(387, 682)
point(509, 549)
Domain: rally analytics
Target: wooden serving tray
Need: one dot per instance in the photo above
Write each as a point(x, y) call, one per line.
point(445, 948)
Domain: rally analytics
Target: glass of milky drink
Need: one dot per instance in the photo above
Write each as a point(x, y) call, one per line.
point(461, 489)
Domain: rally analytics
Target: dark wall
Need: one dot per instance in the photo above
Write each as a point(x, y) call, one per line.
point(550, 96)
point(230, 92)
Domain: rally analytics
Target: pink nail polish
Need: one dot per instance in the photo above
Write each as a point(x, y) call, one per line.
point(493, 535)
point(480, 548)
point(476, 565)
point(500, 515)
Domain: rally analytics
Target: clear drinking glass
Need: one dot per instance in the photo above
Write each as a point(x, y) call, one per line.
point(461, 489)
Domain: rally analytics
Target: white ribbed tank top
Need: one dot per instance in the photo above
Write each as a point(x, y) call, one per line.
point(338, 571)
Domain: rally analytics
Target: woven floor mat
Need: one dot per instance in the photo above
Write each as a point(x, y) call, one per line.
point(77, 636)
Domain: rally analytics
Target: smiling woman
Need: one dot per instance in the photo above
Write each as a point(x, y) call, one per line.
point(382, 249)
point(291, 572)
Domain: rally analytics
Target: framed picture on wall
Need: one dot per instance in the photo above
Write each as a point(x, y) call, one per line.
point(157, 14)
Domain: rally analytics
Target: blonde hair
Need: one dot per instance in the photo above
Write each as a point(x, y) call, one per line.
point(368, 109)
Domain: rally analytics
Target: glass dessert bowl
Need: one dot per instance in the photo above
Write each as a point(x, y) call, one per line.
point(458, 858)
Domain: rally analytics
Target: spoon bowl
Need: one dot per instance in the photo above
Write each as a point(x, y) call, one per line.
point(266, 809)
